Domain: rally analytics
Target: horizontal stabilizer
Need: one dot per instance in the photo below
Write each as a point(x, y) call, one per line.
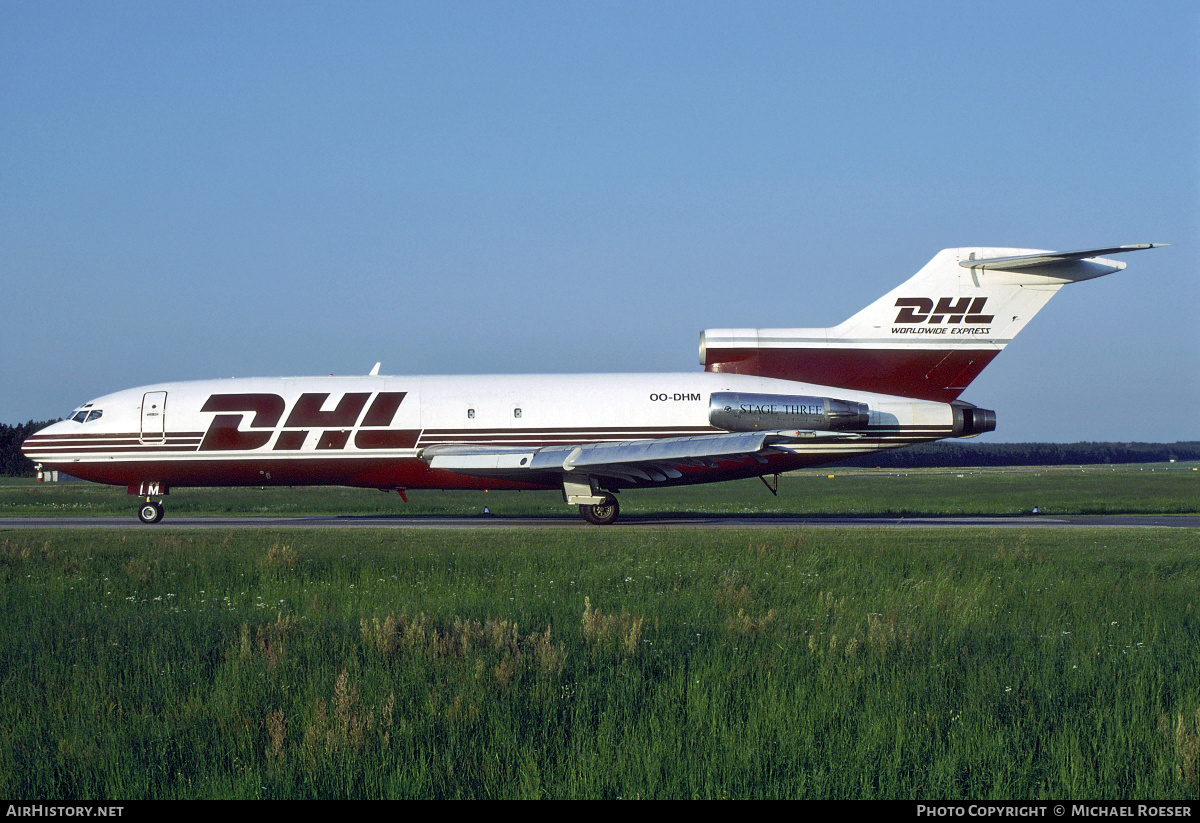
point(1052, 258)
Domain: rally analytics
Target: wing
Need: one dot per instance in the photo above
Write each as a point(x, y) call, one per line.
point(635, 462)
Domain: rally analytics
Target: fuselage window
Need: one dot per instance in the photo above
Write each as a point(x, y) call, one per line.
point(516, 412)
point(470, 414)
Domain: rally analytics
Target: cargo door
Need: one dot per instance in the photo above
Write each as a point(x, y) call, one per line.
point(154, 417)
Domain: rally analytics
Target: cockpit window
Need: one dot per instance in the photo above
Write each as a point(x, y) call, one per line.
point(86, 413)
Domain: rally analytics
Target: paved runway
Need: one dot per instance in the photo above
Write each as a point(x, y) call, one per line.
point(626, 521)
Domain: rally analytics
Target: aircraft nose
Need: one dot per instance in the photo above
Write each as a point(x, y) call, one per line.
point(33, 446)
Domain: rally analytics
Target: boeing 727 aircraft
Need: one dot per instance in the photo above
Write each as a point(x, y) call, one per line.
point(768, 401)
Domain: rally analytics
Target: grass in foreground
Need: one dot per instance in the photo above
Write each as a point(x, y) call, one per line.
point(609, 663)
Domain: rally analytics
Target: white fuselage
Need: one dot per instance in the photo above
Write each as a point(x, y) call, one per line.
point(371, 431)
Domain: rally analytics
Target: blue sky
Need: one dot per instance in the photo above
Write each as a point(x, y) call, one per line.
point(194, 190)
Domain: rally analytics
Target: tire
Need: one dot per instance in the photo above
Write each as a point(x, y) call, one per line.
point(601, 514)
point(150, 512)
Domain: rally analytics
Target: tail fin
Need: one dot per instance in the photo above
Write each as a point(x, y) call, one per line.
point(928, 338)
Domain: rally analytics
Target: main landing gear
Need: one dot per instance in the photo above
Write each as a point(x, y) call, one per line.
point(596, 504)
point(601, 514)
point(150, 512)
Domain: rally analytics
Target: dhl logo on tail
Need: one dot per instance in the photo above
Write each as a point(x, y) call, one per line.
point(922, 310)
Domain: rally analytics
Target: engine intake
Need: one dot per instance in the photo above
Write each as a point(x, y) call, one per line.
point(738, 412)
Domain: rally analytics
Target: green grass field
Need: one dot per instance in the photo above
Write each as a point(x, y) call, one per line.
point(610, 662)
point(1165, 488)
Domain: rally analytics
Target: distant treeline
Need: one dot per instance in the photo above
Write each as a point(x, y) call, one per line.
point(12, 462)
point(930, 455)
point(959, 454)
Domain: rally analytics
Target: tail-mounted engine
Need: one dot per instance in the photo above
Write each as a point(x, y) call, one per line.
point(971, 420)
point(738, 412)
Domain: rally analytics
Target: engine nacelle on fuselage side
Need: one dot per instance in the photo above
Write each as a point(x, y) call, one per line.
point(742, 412)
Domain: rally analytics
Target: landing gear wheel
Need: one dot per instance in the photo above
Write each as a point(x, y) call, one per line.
point(601, 514)
point(150, 512)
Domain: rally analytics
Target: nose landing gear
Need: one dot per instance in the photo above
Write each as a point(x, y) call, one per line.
point(150, 512)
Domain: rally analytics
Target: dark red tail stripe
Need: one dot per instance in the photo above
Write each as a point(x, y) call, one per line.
point(925, 374)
